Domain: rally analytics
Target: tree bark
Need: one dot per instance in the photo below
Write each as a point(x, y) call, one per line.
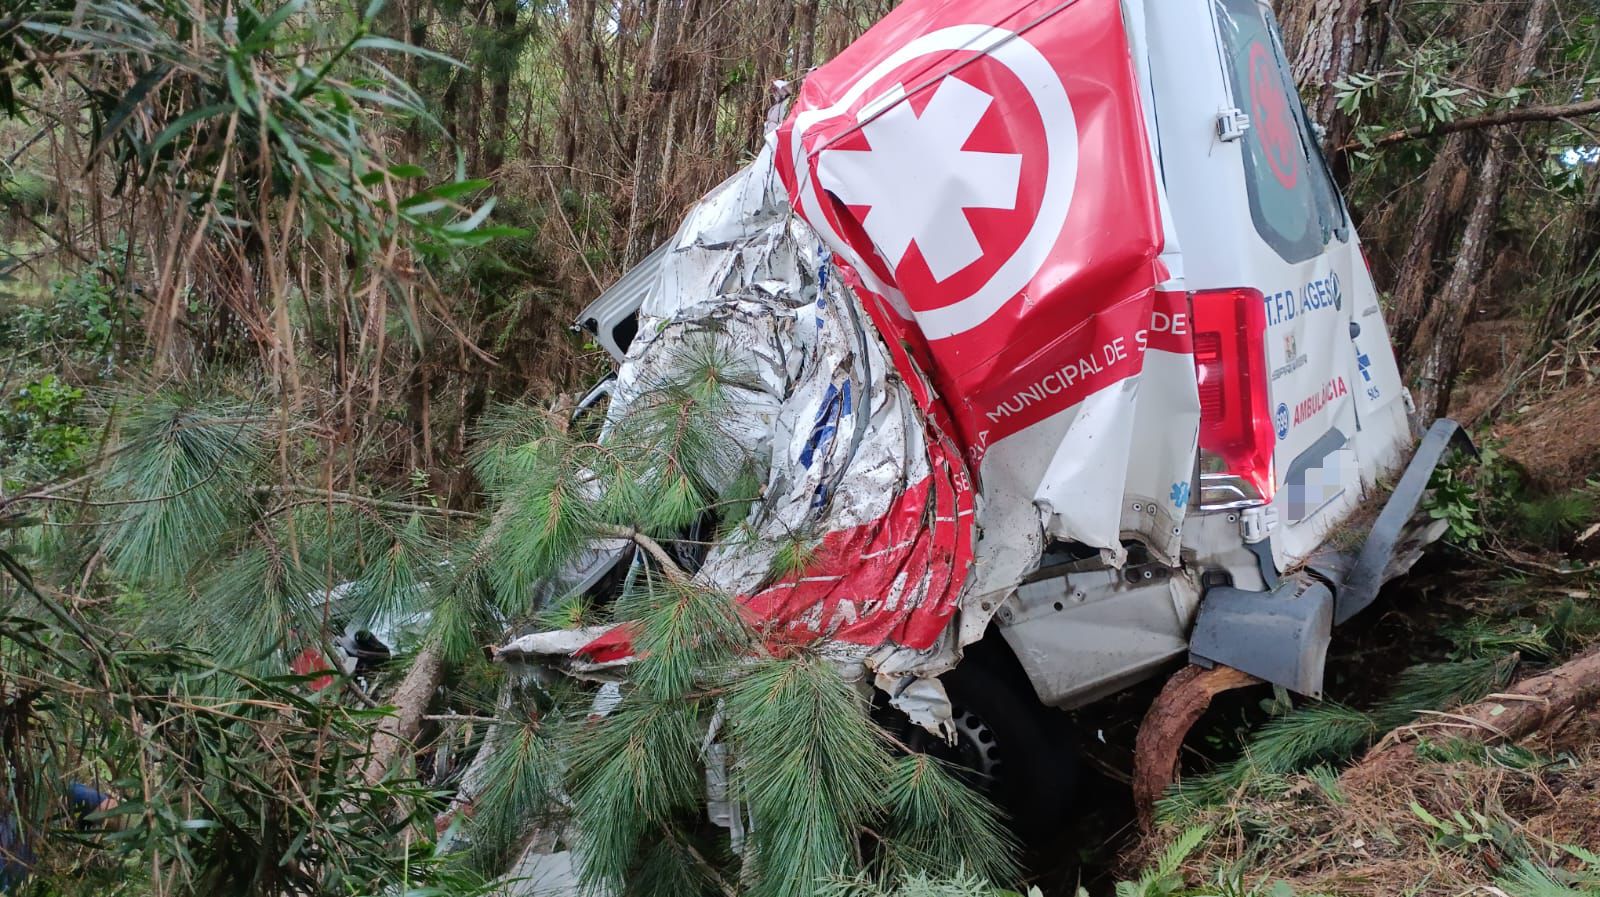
point(1159, 744)
point(653, 138)
point(1444, 195)
point(1439, 335)
point(508, 48)
point(806, 40)
point(397, 733)
point(1529, 706)
point(1329, 40)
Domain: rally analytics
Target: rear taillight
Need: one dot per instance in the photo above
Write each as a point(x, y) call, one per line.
point(1236, 430)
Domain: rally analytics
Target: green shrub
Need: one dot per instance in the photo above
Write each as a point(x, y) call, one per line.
point(40, 426)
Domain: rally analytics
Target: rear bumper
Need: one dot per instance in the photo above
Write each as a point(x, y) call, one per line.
point(1281, 634)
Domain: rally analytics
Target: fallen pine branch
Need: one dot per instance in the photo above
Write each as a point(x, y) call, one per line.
point(1518, 115)
point(397, 732)
point(1506, 716)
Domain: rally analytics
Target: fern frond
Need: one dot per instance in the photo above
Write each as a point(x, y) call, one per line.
point(1181, 847)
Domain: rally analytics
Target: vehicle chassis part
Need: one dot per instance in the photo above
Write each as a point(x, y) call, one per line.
point(1281, 634)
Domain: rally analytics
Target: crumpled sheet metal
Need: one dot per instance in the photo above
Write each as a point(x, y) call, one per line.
point(821, 403)
point(933, 450)
point(984, 173)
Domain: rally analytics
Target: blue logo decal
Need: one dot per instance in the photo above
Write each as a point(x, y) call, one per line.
point(1180, 494)
point(1281, 418)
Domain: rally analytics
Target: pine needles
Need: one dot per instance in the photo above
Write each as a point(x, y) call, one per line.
point(938, 823)
point(810, 766)
point(182, 480)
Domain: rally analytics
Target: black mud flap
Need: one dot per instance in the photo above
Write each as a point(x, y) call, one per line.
point(1281, 635)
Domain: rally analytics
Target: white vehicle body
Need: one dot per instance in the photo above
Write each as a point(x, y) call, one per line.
point(1176, 506)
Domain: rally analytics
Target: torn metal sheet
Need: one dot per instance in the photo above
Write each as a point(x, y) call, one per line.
point(850, 458)
point(939, 156)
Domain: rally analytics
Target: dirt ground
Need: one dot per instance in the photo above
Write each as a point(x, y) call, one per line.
point(1556, 437)
point(1431, 827)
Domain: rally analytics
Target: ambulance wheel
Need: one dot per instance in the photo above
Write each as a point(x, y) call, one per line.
point(1019, 752)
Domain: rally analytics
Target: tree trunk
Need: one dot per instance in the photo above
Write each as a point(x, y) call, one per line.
point(397, 733)
point(806, 41)
point(1439, 335)
point(1527, 707)
point(1327, 41)
point(653, 138)
point(508, 48)
point(1444, 195)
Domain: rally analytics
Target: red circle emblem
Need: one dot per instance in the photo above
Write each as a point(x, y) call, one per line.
point(1269, 116)
point(993, 174)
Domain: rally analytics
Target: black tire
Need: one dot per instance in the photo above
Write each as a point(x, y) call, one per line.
point(1030, 754)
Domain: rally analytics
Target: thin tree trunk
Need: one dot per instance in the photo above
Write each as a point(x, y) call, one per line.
point(654, 141)
point(505, 64)
point(1439, 336)
point(1524, 708)
point(1444, 193)
point(805, 44)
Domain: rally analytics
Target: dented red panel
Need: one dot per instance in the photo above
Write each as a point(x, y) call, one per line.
point(984, 172)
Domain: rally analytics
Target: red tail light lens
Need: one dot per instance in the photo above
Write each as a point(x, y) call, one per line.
point(1236, 430)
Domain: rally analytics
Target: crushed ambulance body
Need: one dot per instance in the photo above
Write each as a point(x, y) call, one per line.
point(1062, 339)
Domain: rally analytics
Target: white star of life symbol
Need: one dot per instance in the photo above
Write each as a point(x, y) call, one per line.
point(918, 180)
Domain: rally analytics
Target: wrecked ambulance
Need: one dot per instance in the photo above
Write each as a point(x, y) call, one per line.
point(1065, 348)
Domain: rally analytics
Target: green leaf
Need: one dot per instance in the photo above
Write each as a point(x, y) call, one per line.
point(378, 42)
point(439, 196)
point(260, 37)
point(131, 101)
point(179, 125)
point(477, 217)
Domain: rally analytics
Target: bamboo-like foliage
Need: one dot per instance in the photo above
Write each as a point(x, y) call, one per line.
point(227, 782)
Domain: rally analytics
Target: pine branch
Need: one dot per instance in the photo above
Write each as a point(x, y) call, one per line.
point(1518, 115)
point(351, 498)
point(652, 547)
